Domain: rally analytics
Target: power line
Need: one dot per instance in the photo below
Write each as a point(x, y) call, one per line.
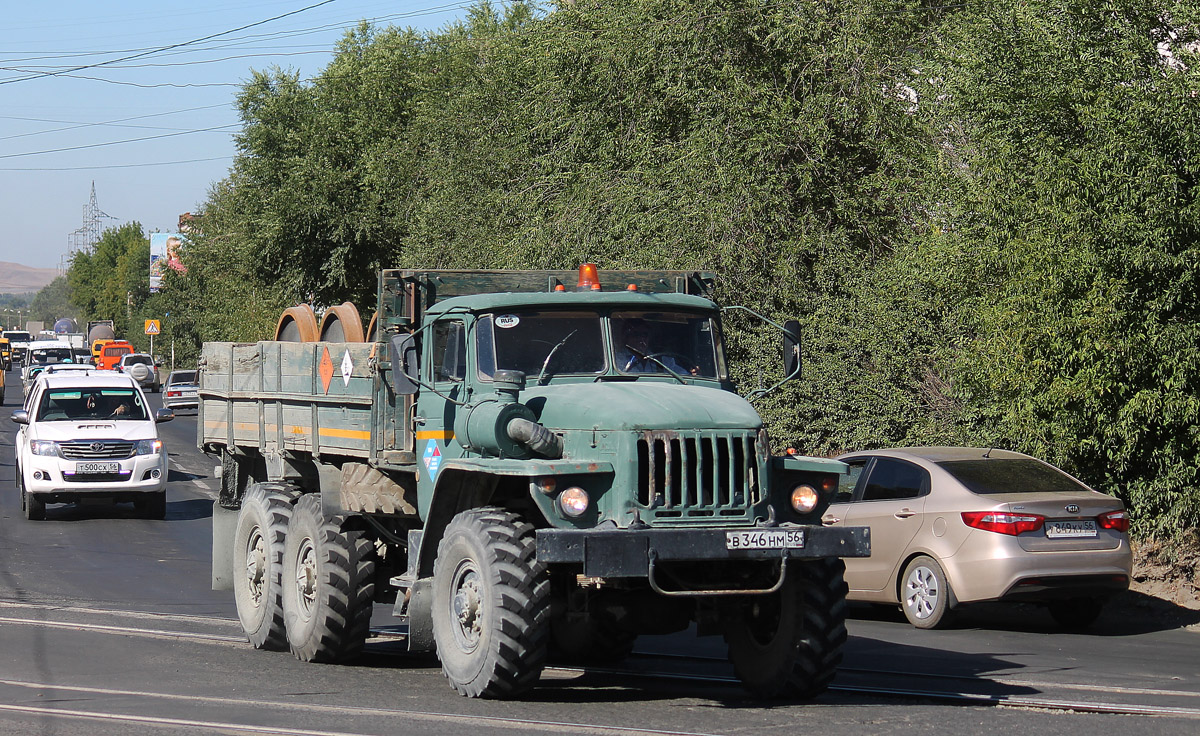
point(121, 166)
point(164, 48)
point(117, 143)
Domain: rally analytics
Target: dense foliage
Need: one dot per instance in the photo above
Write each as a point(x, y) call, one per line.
point(985, 214)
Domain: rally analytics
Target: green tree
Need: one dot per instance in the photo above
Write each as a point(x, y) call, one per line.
point(53, 302)
point(1069, 144)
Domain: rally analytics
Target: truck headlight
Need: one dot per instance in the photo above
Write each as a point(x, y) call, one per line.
point(804, 498)
point(43, 447)
point(149, 447)
point(573, 502)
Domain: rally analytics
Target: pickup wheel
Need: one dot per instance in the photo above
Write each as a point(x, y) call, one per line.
point(258, 563)
point(328, 585)
point(789, 644)
point(32, 506)
point(490, 604)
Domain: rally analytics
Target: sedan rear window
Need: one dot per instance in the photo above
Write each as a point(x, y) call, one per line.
point(989, 477)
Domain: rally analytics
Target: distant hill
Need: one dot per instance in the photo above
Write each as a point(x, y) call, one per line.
point(18, 279)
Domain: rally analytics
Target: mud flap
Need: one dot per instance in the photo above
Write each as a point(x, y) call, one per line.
point(224, 523)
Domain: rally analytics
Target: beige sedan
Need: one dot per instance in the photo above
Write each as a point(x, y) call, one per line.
point(956, 525)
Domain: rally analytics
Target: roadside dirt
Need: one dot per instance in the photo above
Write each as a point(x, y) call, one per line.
point(1166, 582)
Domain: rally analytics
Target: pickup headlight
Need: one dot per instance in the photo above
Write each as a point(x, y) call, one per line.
point(43, 447)
point(149, 447)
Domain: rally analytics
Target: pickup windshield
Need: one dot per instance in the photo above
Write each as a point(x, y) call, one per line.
point(545, 343)
point(66, 405)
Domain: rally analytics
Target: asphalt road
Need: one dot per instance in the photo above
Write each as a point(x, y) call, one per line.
point(108, 626)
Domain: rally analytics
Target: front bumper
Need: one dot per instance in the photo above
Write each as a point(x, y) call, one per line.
point(137, 474)
point(633, 552)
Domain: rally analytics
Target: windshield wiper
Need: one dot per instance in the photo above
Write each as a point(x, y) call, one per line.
point(653, 357)
point(550, 355)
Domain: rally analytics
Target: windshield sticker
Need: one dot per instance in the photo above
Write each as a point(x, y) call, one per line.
point(433, 459)
point(506, 321)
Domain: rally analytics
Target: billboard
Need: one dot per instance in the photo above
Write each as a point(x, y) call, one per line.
point(164, 253)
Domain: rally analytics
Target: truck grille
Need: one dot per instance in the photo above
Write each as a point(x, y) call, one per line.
point(698, 473)
point(99, 450)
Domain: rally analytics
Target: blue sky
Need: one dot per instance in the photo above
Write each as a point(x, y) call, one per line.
point(178, 102)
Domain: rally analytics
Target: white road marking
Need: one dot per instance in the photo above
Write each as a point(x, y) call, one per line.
point(513, 723)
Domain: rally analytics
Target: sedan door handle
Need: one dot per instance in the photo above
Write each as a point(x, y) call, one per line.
point(829, 520)
point(904, 513)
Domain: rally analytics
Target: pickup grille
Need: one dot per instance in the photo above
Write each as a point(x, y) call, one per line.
point(698, 473)
point(98, 450)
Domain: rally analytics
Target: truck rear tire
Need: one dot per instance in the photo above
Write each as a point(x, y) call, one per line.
point(490, 604)
point(258, 563)
point(789, 644)
point(328, 585)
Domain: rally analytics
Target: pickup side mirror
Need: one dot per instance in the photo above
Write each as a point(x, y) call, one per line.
point(163, 415)
point(792, 362)
point(20, 416)
point(405, 364)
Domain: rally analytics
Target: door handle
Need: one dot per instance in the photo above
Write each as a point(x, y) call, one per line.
point(904, 513)
point(829, 520)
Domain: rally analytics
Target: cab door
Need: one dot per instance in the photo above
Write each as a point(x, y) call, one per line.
point(889, 497)
point(445, 363)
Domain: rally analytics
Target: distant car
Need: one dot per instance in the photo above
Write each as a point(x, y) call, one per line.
point(957, 525)
point(89, 434)
point(39, 355)
point(5, 354)
point(182, 390)
point(18, 343)
point(142, 369)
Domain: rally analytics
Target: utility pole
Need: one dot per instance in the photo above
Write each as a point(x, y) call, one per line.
point(85, 238)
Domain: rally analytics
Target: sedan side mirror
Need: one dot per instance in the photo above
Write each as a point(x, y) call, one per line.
point(163, 415)
point(20, 416)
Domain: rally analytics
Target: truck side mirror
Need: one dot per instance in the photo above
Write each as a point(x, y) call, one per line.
point(404, 364)
point(792, 363)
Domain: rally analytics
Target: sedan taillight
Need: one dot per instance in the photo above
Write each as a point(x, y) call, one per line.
point(1117, 520)
point(1002, 522)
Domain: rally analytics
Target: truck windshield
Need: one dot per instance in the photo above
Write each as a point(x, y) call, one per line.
point(18, 336)
point(546, 343)
point(666, 342)
point(559, 342)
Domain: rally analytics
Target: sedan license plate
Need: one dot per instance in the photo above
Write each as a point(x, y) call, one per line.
point(1070, 529)
point(765, 539)
point(97, 467)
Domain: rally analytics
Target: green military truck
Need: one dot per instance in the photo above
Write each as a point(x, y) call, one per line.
point(529, 464)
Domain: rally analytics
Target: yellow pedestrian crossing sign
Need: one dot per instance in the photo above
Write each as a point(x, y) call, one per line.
point(151, 327)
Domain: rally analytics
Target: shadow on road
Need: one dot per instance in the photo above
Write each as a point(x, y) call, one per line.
point(188, 510)
point(1127, 614)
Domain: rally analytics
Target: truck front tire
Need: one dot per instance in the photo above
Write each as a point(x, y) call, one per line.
point(789, 644)
point(328, 585)
point(258, 563)
point(490, 604)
